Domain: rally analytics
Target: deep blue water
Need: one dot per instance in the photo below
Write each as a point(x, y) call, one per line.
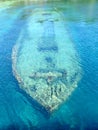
point(17, 110)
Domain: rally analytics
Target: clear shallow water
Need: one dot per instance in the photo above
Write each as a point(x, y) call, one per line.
point(17, 110)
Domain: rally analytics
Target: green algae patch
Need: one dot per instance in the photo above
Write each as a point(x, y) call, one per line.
point(45, 61)
point(6, 4)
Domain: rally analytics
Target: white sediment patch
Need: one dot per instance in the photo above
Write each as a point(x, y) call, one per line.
point(45, 61)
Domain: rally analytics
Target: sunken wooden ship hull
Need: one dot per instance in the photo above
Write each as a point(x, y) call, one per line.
point(45, 61)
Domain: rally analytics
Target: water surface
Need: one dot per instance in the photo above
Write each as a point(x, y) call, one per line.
point(80, 111)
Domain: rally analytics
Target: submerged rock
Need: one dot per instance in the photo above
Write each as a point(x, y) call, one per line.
point(44, 59)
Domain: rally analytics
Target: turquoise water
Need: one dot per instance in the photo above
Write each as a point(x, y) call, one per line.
point(80, 111)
